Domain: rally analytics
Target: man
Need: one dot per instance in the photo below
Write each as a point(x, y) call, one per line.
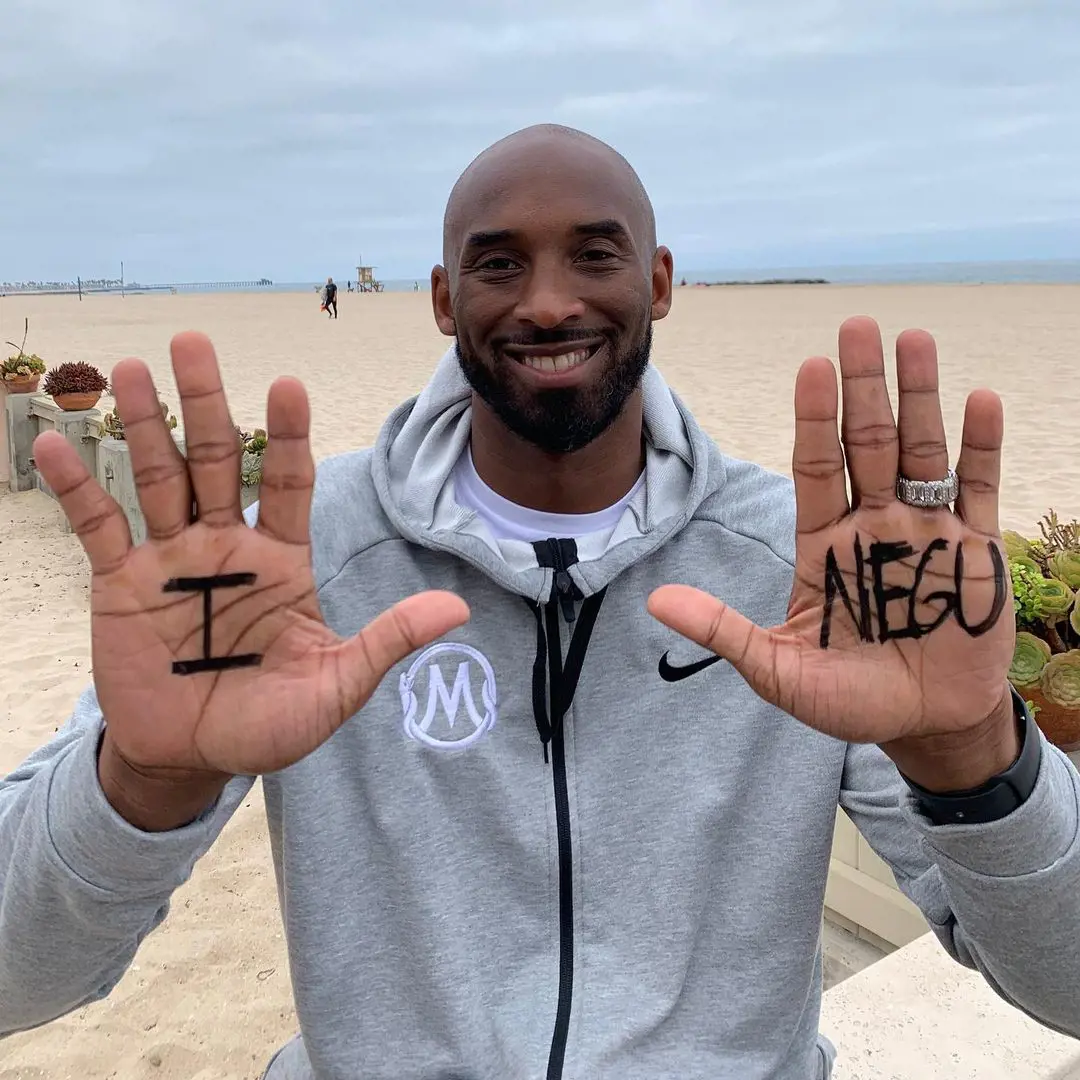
point(556, 841)
point(330, 298)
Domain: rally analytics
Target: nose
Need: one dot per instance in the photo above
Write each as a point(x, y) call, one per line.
point(548, 298)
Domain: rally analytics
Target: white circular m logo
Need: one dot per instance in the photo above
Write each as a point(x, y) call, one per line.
point(442, 736)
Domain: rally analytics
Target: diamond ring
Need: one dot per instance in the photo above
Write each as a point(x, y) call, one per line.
point(928, 493)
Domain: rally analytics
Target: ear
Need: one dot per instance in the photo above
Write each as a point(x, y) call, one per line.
point(663, 272)
point(440, 302)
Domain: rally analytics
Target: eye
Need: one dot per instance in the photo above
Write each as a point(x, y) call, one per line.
point(497, 264)
point(596, 255)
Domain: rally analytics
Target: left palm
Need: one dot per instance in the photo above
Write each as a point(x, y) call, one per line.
point(936, 663)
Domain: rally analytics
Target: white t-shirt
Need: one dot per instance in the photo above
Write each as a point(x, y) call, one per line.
point(508, 521)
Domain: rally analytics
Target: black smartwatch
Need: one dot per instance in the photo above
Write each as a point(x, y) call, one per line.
point(1001, 794)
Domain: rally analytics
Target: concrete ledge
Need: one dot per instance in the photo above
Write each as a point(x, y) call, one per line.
point(107, 459)
point(917, 1015)
point(844, 952)
point(862, 894)
point(872, 905)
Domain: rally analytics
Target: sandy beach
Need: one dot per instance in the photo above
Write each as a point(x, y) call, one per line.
point(208, 997)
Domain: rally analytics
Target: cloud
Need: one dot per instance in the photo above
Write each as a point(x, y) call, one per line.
point(216, 140)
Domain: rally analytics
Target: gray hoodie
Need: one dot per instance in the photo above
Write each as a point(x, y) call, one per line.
point(473, 890)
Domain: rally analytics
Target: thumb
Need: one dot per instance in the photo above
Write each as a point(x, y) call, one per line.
point(366, 657)
point(710, 622)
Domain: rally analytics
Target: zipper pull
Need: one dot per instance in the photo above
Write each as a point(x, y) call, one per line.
point(563, 585)
point(566, 591)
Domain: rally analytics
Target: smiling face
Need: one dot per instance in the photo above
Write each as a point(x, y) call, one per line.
point(551, 283)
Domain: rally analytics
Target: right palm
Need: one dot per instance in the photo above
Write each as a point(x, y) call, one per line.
point(307, 681)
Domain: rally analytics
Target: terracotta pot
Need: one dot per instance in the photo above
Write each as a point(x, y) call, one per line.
point(77, 402)
point(22, 385)
point(1060, 723)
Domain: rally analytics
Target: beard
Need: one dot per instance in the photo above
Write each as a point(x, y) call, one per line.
point(563, 419)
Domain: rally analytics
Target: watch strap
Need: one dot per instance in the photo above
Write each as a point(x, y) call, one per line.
point(1001, 794)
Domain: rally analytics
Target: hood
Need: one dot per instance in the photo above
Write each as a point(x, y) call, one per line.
point(419, 446)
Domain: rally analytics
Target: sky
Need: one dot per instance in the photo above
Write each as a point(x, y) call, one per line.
point(199, 140)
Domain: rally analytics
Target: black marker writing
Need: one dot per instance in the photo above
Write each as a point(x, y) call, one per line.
point(881, 555)
point(206, 585)
point(834, 586)
point(999, 592)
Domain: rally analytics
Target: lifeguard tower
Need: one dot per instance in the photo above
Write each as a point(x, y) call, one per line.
point(366, 281)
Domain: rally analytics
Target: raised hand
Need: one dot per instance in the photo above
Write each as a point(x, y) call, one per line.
point(900, 620)
point(210, 655)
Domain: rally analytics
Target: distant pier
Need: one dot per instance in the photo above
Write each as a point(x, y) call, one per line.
point(196, 286)
point(81, 288)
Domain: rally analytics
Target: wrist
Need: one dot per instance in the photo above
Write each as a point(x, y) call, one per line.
point(961, 761)
point(154, 802)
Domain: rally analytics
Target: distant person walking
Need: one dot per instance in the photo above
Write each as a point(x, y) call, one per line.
point(329, 298)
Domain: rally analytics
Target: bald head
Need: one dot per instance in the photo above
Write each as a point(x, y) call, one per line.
point(550, 281)
point(533, 156)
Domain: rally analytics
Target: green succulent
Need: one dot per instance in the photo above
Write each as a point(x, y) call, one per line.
point(1054, 599)
point(250, 468)
point(1037, 597)
point(253, 442)
point(1065, 565)
point(1060, 679)
point(252, 447)
point(114, 426)
point(1074, 618)
point(24, 364)
point(1029, 658)
point(1016, 546)
point(1026, 579)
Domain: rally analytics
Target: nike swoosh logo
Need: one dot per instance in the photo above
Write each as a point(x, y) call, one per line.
point(673, 674)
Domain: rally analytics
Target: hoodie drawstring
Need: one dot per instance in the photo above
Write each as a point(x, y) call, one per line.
point(551, 701)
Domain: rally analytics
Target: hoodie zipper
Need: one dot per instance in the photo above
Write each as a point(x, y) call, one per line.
point(560, 555)
point(563, 587)
point(566, 887)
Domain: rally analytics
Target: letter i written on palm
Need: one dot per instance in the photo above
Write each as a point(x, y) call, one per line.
point(210, 654)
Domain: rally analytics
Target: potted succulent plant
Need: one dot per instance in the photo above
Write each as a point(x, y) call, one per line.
point(114, 426)
point(251, 451)
point(251, 460)
point(1046, 600)
point(75, 386)
point(22, 370)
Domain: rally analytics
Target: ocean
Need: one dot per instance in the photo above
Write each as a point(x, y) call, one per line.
point(1048, 271)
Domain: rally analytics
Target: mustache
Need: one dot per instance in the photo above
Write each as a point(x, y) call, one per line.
point(556, 336)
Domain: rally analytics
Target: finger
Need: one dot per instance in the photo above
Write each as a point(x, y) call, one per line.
point(398, 631)
point(710, 622)
point(95, 517)
point(161, 475)
point(213, 450)
point(817, 463)
point(869, 432)
point(288, 472)
point(979, 467)
point(924, 454)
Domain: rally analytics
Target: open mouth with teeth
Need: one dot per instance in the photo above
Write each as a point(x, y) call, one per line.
point(563, 361)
